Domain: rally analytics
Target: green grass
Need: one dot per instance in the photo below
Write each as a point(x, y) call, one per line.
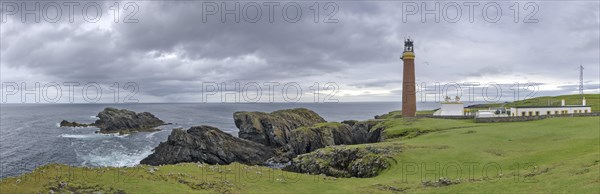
point(557, 155)
point(398, 114)
point(328, 124)
point(408, 128)
point(564, 150)
point(592, 100)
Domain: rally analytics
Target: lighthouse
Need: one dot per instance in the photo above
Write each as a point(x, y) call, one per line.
point(409, 99)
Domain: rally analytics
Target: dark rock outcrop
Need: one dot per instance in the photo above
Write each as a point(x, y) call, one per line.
point(208, 145)
point(112, 120)
point(65, 123)
point(367, 132)
point(307, 139)
point(339, 161)
point(350, 122)
point(273, 129)
point(297, 131)
point(441, 182)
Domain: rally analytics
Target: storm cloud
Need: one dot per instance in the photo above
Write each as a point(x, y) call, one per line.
point(174, 48)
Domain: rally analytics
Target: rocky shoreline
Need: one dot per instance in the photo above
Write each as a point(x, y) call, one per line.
point(287, 139)
point(281, 138)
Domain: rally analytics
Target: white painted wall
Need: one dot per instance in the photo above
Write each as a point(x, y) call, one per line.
point(544, 110)
point(451, 109)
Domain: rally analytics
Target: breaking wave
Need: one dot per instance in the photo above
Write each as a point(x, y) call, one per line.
point(114, 158)
point(92, 136)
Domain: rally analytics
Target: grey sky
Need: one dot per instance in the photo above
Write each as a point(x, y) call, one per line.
point(171, 51)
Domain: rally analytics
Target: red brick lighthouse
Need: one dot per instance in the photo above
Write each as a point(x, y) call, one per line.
point(409, 99)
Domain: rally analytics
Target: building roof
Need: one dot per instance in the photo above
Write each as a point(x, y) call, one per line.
point(452, 103)
point(549, 106)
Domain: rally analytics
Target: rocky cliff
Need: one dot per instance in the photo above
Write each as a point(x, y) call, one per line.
point(307, 139)
point(273, 129)
point(366, 131)
point(208, 145)
point(276, 138)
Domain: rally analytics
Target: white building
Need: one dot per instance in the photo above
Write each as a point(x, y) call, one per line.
point(448, 108)
point(550, 110)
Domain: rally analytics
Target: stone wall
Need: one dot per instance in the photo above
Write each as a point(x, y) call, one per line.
point(506, 119)
point(447, 117)
point(530, 118)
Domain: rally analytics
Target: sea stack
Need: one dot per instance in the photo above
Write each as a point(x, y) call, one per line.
point(409, 100)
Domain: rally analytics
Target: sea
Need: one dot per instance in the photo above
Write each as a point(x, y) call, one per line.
point(30, 135)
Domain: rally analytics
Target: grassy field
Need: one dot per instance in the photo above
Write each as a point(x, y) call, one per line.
point(558, 155)
point(592, 100)
point(398, 114)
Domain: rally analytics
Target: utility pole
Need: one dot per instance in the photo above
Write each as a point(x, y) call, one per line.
point(581, 80)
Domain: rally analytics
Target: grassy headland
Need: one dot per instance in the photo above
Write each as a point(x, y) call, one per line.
point(546, 156)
